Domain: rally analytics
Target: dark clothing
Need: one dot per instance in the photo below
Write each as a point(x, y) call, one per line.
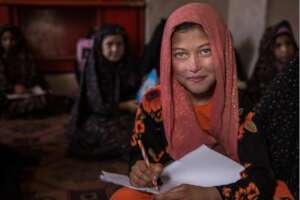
point(151, 55)
point(277, 115)
point(10, 173)
point(20, 69)
point(98, 128)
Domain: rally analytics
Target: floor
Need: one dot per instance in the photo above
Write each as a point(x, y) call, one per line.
point(55, 175)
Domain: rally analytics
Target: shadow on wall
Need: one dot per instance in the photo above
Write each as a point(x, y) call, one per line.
point(63, 84)
point(246, 52)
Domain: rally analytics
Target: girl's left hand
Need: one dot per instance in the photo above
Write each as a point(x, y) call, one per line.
point(190, 192)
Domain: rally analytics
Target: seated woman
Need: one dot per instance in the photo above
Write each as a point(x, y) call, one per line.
point(102, 115)
point(277, 118)
point(196, 103)
point(21, 87)
point(277, 47)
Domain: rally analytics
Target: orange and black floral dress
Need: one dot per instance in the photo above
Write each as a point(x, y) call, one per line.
point(256, 144)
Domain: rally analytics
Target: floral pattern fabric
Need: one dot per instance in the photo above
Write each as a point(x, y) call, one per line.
point(257, 180)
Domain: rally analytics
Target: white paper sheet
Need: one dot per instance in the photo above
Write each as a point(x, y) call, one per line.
point(123, 180)
point(201, 167)
point(35, 91)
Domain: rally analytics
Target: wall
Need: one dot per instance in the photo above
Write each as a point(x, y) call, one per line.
point(246, 19)
point(49, 27)
point(247, 22)
point(289, 10)
point(63, 84)
point(157, 9)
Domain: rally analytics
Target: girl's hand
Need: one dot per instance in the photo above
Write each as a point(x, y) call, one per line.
point(190, 192)
point(129, 105)
point(20, 89)
point(142, 176)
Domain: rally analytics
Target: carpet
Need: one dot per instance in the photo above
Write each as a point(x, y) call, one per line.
point(56, 176)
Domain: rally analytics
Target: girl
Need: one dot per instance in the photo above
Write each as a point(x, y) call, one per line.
point(22, 88)
point(102, 114)
point(196, 103)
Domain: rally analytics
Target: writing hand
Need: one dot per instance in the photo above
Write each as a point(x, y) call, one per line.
point(142, 176)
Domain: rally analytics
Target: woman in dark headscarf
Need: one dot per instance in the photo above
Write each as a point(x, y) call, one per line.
point(21, 87)
point(277, 47)
point(102, 115)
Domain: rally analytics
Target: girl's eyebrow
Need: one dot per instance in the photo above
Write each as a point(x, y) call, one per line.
point(201, 46)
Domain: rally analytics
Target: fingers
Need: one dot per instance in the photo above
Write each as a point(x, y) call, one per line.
point(140, 175)
point(156, 169)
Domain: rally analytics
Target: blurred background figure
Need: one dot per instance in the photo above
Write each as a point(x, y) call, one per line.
point(104, 110)
point(22, 88)
point(277, 47)
point(149, 64)
point(83, 50)
point(151, 55)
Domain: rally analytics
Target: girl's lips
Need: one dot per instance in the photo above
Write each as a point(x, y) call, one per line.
point(196, 79)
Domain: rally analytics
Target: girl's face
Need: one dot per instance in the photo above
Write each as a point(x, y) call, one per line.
point(7, 41)
point(192, 63)
point(113, 47)
point(283, 49)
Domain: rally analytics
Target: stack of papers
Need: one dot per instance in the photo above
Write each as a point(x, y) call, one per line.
point(201, 167)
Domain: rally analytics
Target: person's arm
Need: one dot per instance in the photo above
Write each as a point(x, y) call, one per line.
point(129, 105)
point(152, 136)
point(149, 130)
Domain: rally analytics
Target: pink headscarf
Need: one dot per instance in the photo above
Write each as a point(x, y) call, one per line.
point(182, 129)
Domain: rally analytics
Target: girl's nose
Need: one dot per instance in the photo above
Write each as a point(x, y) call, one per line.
point(194, 64)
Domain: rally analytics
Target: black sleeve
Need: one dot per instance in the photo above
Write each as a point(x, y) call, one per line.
point(148, 127)
point(257, 180)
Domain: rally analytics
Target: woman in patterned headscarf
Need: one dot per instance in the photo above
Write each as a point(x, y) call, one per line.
point(197, 98)
point(196, 104)
point(102, 115)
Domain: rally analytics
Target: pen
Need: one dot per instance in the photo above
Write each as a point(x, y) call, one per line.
point(142, 148)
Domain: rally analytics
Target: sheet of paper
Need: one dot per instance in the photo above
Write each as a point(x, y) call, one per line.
point(201, 167)
point(35, 91)
point(123, 180)
point(18, 96)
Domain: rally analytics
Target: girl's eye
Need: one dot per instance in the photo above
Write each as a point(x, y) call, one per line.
point(180, 55)
point(205, 52)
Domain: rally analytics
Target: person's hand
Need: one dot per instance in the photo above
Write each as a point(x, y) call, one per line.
point(20, 89)
point(190, 192)
point(143, 176)
point(129, 105)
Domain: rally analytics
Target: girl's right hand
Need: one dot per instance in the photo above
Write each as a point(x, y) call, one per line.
point(143, 176)
point(20, 89)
